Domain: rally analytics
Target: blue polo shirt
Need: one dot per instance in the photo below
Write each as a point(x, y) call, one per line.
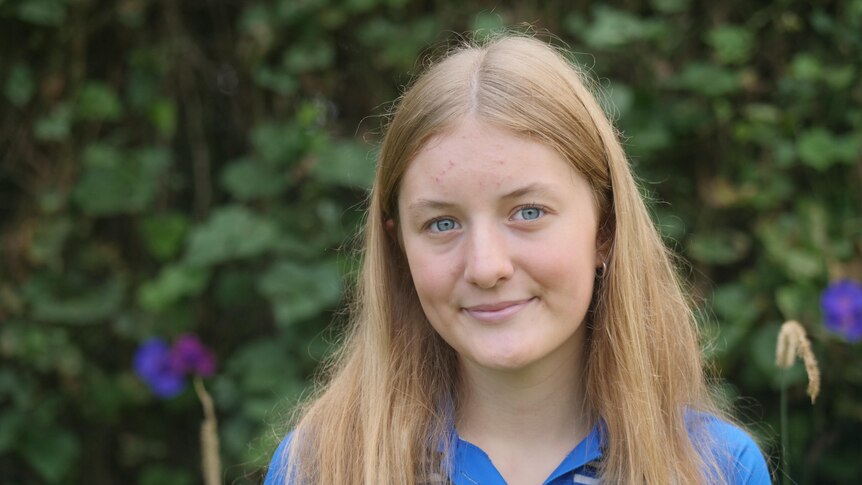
point(744, 465)
point(471, 465)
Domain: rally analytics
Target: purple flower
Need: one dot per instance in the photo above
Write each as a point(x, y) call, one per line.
point(154, 365)
point(842, 309)
point(190, 356)
point(165, 369)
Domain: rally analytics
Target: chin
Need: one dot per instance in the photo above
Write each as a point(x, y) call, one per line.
point(504, 361)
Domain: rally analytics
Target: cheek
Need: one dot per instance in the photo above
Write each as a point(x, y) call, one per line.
point(567, 263)
point(434, 276)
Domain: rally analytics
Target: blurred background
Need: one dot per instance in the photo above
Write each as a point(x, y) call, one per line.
point(197, 170)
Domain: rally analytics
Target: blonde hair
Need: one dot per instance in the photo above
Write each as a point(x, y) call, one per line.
point(385, 413)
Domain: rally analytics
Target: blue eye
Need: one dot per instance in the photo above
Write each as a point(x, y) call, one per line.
point(443, 225)
point(529, 213)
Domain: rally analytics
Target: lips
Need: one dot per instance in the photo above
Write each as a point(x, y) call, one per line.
point(495, 312)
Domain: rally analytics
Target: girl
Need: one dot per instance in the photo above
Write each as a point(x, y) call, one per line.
point(517, 319)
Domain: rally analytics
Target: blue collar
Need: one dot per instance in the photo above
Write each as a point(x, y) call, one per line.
point(472, 466)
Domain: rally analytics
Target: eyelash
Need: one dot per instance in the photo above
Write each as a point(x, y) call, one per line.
point(430, 224)
point(540, 208)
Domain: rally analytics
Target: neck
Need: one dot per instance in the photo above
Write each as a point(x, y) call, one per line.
point(544, 403)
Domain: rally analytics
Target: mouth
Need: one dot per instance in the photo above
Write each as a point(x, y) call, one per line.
point(495, 312)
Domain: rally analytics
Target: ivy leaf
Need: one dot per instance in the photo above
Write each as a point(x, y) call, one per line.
point(378, 34)
point(277, 143)
point(173, 283)
point(12, 424)
point(820, 149)
point(249, 179)
point(98, 102)
point(485, 24)
point(19, 85)
point(51, 453)
point(707, 79)
point(732, 44)
point(49, 240)
point(613, 28)
point(49, 13)
point(156, 474)
point(346, 163)
point(276, 79)
point(797, 302)
point(163, 115)
point(71, 303)
point(116, 181)
point(263, 366)
point(56, 125)
point(164, 234)
point(311, 56)
point(719, 247)
point(806, 67)
point(737, 309)
point(232, 232)
point(670, 6)
point(298, 292)
point(804, 264)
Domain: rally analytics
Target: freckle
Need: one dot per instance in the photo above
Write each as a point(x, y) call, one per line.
point(451, 164)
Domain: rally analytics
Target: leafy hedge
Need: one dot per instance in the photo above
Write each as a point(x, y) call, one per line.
point(200, 167)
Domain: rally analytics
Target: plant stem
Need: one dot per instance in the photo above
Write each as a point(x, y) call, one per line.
point(210, 461)
point(785, 463)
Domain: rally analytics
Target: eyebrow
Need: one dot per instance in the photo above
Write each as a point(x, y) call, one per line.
point(531, 189)
point(538, 189)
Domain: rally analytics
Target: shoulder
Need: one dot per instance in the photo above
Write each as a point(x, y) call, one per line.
point(736, 453)
point(276, 474)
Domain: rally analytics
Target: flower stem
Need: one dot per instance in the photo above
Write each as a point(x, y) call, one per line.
point(210, 461)
point(785, 463)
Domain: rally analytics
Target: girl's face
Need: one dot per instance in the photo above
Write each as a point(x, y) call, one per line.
point(500, 235)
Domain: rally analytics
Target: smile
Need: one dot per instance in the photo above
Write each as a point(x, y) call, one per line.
point(496, 312)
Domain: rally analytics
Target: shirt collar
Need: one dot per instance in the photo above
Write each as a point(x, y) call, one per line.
point(470, 462)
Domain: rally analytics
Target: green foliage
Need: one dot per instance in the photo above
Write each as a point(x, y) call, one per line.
point(171, 168)
point(231, 232)
point(98, 102)
point(42, 12)
point(116, 181)
point(732, 44)
point(299, 292)
point(19, 85)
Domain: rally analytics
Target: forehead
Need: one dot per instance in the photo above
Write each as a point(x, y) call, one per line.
point(474, 158)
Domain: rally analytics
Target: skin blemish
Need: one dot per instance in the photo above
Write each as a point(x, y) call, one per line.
point(443, 172)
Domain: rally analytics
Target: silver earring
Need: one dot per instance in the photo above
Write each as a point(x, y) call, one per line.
point(601, 274)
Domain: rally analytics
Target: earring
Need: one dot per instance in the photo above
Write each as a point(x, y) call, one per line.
point(601, 273)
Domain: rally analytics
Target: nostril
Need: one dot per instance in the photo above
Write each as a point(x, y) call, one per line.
point(488, 269)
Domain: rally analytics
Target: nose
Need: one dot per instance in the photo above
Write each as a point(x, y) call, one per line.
point(488, 259)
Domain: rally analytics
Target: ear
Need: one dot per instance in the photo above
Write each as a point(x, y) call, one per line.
point(389, 225)
point(604, 243)
point(601, 257)
point(392, 230)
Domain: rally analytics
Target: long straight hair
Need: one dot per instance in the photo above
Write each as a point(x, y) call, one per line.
point(383, 412)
